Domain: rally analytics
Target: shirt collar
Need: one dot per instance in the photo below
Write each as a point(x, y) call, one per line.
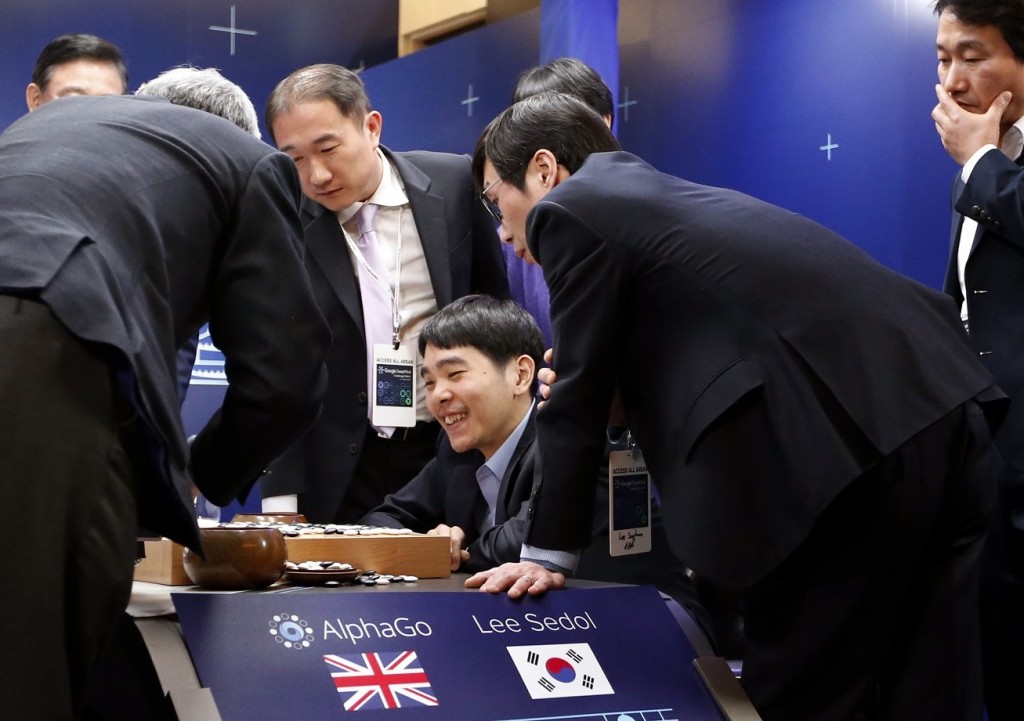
point(498, 463)
point(390, 191)
point(1012, 142)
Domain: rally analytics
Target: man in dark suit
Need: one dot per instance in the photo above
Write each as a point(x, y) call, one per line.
point(980, 119)
point(479, 361)
point(125, 223)
point(435, 244)
point(812, 420)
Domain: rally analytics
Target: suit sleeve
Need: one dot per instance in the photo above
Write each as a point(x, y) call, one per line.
point(585, 276)
point(498, 544)
point(994, 197)
point(418, 505)
point(263, 317)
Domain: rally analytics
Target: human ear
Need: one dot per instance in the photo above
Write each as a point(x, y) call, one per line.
point(547, 166)
point(373, 123)
point(33, 96)
point(525, 369)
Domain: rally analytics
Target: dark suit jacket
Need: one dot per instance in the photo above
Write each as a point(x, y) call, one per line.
point(463, 256)
point(446, 491)
point(995, 283)
point(135, 221)
point(694, 299)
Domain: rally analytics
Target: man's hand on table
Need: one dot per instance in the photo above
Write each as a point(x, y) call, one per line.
point(518, 579)
point(458, 538)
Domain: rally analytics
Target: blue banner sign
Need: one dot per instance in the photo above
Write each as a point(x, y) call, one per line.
point(604, 653)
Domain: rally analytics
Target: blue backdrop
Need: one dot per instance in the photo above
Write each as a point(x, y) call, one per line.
point(745, 94)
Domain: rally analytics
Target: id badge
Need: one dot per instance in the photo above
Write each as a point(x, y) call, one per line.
point(629, 503)
point(394, 376)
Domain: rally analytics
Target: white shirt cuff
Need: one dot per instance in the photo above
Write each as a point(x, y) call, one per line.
point(281, 504)
point(561, 561)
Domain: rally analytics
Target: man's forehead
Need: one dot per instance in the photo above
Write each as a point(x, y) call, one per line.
point(437, 358)
point(311, 123)
point(83, 73)
point(319, 110)
point(963, 41)
point(965, 35)
point(448, 355)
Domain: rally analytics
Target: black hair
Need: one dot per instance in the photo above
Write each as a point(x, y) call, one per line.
point(1007, 16)
point(80, 46)
point(500, 329)
point(571, 76)
point(323, 81)
point(567, 127)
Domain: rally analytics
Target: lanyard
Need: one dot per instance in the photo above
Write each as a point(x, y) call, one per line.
point(396, 319)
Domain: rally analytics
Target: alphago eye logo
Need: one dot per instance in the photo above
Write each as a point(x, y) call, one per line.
point(291, 631)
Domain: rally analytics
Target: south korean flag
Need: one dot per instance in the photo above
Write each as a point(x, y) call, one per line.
point(560, 670)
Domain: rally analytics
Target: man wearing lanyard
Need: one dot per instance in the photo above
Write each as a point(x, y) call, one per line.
point(391, 238)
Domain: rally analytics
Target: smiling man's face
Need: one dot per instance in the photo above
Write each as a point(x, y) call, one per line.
point(474, 400)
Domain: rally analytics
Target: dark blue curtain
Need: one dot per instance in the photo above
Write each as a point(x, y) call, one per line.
point(583, 29)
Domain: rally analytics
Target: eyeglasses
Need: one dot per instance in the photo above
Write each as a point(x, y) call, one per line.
point(492, 207)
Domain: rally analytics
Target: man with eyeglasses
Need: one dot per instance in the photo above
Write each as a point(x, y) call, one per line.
point(378, 280)
point(815, 423)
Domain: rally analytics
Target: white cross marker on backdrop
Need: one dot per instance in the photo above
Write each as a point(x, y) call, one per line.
point(232, 30)
point(828, 147)
point(468, 102)
point(624, 105)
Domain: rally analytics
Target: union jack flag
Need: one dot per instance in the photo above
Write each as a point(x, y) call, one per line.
point(380, 680)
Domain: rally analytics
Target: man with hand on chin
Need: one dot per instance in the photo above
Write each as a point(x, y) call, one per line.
point(979, 118)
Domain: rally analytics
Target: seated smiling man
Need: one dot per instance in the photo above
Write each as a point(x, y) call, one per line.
point(480, 357)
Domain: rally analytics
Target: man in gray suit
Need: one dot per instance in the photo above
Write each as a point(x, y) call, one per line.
point(125, 223)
